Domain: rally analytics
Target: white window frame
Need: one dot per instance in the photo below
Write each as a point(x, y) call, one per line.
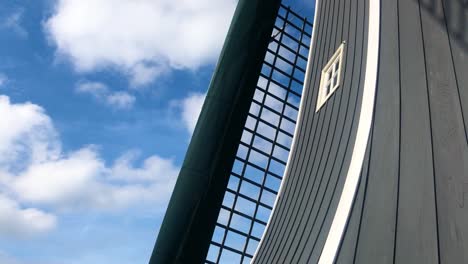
point(331, 77)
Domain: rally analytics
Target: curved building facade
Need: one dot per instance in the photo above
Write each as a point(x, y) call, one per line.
point(407, 204)
point(378, 167)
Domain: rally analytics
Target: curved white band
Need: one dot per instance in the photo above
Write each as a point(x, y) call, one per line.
point(345, 204)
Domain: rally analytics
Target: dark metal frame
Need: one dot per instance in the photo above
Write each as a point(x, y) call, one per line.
point(190, 218)
point(285, 60)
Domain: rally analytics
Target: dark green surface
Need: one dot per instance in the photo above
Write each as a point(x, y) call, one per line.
point(190, 219)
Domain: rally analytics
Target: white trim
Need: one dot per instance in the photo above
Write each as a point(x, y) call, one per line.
point(295, 139)
point(327, 77)
point(345, 204)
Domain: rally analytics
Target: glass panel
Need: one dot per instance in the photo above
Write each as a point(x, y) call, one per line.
point(335, 81)
point(240, 223)
point(218, 235)
point(242, 152)
point(262, 144)
point(228, 200)
point(290, 112)
point(233, 183)
point(213, 253)
point(223, 217)
point(296, 87)
point(336, 65)
point(257, 229)
point(229, 257)
point(246, 136)
point(266, 130)
point(280, 153)
point(287, 126)
point(252, 246)
point(263, 213)
point(281, 93)
point(238, 166)
point(274, 103)
point(254, 174)
point(272, 182)
point(250, 190)
point(262, 82)
point(270, 117)
point(258, 159)
point(258, 96)
point(284, 139)
point(268, 198)
point(250, 124)
point(277, 90)
point(254, 109)
point(245, 206)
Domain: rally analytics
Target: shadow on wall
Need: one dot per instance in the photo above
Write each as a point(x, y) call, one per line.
point(450, 13)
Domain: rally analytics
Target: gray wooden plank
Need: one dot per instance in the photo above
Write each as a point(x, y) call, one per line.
point(313, 194)
point(318, 232)
point(306, 209)
point(416, 239)
point(448, 135)
point(347, 249)
point(456, 21)
point(314, 143)
point(376, 238)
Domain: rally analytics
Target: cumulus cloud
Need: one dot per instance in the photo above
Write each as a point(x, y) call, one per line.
point(82, 180)
point(190, 108)
point(34, 170)
point(18, 222)
point(142, 38)
point(26, 133)
point(124, 170)
point(100, 91)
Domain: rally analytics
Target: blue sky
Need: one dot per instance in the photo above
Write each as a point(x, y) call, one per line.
point(98, 99)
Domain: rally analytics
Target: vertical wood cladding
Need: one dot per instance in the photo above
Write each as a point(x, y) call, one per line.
point(411, 205)
point(320, 161)
point(414, 208)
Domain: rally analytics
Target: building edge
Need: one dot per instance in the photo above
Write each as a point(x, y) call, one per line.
point(189, 222)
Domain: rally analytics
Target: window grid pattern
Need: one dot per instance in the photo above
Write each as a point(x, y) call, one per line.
point(265, 144)
point(331, 77)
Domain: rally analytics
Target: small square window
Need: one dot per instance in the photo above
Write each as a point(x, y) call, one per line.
point(331, 77)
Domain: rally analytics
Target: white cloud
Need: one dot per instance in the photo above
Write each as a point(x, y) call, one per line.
point(25, 129)
point(190, 108)
point(18, 222)
point(13, 22)
point(142, 38)
point(34, 170)
point(124, 170)
point(63, 180)
point(141, 74)
point(122, 100)
point(95, 88)
point(100, 91)
point(82, 180)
